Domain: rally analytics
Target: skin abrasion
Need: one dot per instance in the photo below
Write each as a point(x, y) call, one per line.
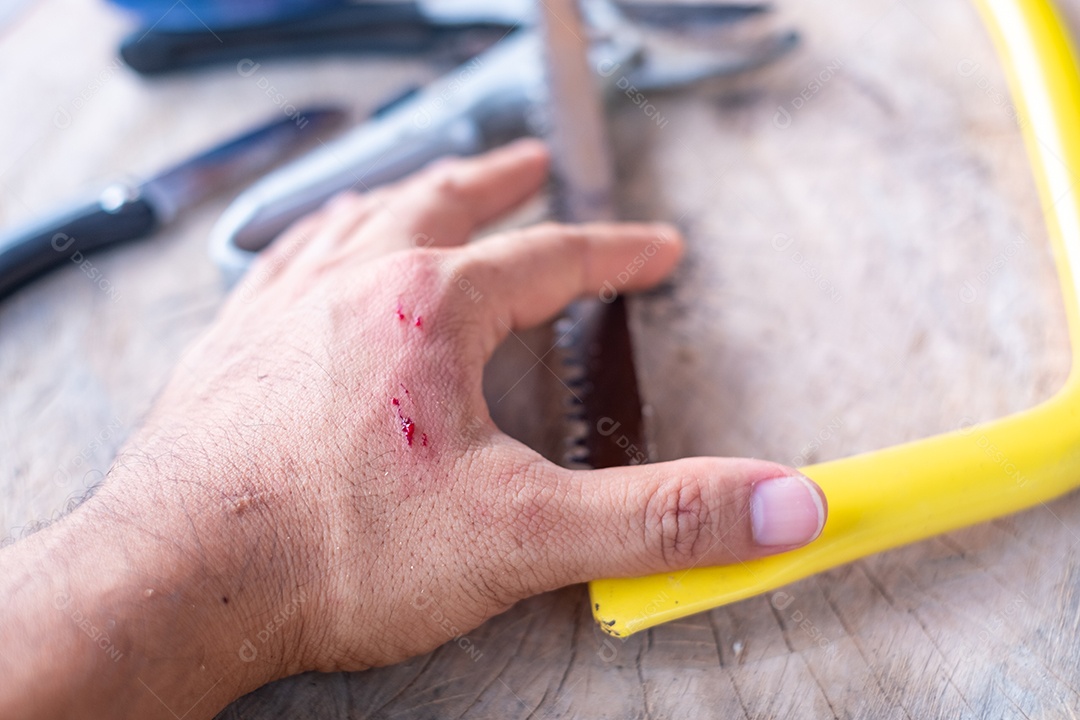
point(405, 424)
point(403, 316)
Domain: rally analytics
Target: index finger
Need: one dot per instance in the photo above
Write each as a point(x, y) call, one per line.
point(528, 276)
point(443, 204)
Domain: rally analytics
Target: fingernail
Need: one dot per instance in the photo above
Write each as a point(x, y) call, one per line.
point(786, 511)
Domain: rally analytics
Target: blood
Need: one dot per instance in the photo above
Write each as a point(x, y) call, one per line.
point(407, 429)
point(402, 316)
point(405, 423)
point(423, 439)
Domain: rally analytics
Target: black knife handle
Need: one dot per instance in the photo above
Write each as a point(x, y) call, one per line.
point(364, 28)
point(64, 238)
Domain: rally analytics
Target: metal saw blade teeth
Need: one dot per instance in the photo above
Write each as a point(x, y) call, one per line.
point(575, 376)
point(572, 407)
point(569, 361)
point(575, 391)
point(576, 456)
point(564, 331)
point(572, 446)
point(575, 440)
point(576, 430)
point(573, 372)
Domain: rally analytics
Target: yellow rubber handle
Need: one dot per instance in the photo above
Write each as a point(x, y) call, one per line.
point(891, 497)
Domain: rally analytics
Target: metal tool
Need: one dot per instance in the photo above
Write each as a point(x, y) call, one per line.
point(496, 97)
point(129, 211)
point(458, 29)
point(400, 28)
point(891, 497)
point(595, 351)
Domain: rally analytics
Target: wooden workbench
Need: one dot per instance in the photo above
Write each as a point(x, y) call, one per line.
point(867, 267)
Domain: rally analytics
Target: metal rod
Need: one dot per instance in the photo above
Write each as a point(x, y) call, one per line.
point(581, 160)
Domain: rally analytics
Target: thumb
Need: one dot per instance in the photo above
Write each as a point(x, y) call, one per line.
point(645, 519)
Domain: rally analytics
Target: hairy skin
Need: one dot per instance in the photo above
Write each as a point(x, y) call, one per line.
point(320, 475)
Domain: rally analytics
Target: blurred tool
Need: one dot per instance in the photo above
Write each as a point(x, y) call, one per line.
point(129, 211)
point(596, 353)
point(179, 36)
point(496, 97)
point(11, 11)
point(396, 28)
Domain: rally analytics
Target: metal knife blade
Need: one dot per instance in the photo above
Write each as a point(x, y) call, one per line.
point(225, 165)
point(603, 415)
point(126, 211)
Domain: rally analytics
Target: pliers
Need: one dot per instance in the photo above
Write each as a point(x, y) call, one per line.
point(496, 97)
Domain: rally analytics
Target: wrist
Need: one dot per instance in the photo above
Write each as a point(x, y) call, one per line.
point(155, 603)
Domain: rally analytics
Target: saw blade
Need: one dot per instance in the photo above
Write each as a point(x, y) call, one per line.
point(604, 425)
point(604, 414)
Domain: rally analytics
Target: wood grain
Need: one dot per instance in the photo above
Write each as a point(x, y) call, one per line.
point(871, 273)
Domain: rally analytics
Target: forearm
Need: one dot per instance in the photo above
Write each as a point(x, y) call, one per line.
point(109, 616)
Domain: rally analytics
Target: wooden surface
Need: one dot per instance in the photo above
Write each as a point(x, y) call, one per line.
point(871, 273)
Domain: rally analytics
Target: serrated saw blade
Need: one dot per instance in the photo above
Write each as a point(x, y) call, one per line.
point(605, 424)
point(603, 415)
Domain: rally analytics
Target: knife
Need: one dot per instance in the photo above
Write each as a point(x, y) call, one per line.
point(453, 28)
point(128, 211)
point(605, 426)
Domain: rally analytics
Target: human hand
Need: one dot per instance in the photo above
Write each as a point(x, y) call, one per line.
point(322, 468)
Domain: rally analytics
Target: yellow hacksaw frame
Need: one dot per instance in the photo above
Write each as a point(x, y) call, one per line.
point(883, 499)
